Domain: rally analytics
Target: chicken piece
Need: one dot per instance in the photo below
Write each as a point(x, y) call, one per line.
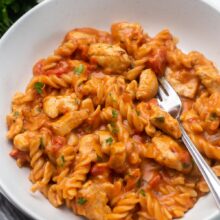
point(22, 141)
point(131, 89)
point(88, 35)
point(68, 122)
point(169, 153)
point(164, 121)
point(88, 105)
point(186, 87)
point(81, 37)
point(148, 85)
point(91, 202)
point(90, 145)
point(211, 80)
point(117, 159)
point(72, 139)
point(208, 111)
point(106, 140)
point(128, 35)
point(55, 105)
point(112, 58)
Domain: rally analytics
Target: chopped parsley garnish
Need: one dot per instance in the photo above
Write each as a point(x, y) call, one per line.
point(109, 140)
point(16, 114)
point(62, 161)
point(81, 201)
point(42, 143)
point(39, 86)
point(142, 192)
point(99, 159)
point(114, 113)
point(160, 119)
point(79, 69)
point(77, 102)
point(112, 98)
point(138, 113)
point(138, 183)
point(38, 109)
point(114, 128)
point(213, 116)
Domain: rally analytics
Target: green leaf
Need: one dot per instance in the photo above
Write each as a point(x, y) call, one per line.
point(39, 86)
point(15, 7)
point(142, 192)
point(8, 2)
point(81, 201)
point(114, 113)
point(79, 69)
point(5, 18)
point(109, 140)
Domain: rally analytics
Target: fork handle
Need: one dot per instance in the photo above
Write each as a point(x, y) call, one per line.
point(208, 174)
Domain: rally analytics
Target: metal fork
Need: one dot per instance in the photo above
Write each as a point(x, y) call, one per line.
point(170, 102)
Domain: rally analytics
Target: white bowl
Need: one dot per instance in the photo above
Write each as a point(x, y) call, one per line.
point(37, 33)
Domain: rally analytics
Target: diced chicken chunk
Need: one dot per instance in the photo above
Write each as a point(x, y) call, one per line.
point(128, 35)
point(112, 58)
point(91, 202)
point(169, 153)
point(54, 105)
point(89, 145)
point(66, 123)
point(164, 121)
point(148, 85)
point(188, 88)
point(118, 157)
point(106, 140)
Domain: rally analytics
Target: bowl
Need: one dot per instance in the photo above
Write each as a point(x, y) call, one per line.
point(39, 31)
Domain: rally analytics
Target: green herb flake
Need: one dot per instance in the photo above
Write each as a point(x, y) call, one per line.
point(79, 69)
point(138, 113)
point(132, 65)
point(142, 192)
point(109, 140)
point(112, 97)
point(114, 129)
point(16, 114)
point(77, 102)
point(160, 119)
point(138, 183)
point(81, 201)
point(114, 113)
point(42, 146)
point(213, 116)
point(99, 159)
point(62, 161)
point(186, 165)
point(39, 86)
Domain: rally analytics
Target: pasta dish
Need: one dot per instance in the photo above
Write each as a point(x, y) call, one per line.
point(94, 137)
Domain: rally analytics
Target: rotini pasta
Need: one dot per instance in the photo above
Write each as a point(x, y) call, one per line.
point(90, 129)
